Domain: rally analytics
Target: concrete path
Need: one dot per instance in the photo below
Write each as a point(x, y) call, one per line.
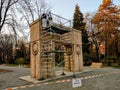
point(98, 79)
point(10, 79)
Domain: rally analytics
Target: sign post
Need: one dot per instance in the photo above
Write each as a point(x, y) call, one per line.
point(76, 82)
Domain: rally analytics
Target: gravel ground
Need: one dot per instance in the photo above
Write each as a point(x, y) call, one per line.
point(109, 82)
point(100, 83)
point(10, 79)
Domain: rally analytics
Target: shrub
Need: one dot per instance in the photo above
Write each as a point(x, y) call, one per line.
point(112, 58)
point(88, 58)
point(21, 61)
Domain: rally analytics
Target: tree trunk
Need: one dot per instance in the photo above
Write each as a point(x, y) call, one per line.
point(97, 53)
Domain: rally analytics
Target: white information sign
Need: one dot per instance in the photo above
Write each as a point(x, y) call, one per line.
point(76, 82)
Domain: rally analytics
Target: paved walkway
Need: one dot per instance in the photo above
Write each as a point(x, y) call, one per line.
point(98, 79)
point(10, 79)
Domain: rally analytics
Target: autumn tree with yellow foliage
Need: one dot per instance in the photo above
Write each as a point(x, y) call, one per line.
point(107, 23)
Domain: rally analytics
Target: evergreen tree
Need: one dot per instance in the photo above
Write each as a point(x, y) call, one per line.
point(80, 25)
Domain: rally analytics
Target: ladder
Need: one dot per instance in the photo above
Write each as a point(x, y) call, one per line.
point(49, 42)
point(47, 58)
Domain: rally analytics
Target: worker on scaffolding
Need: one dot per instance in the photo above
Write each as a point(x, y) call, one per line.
point(46, 19)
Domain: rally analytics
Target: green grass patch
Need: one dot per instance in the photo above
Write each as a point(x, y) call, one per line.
point(116, 67)
point(15, 65)
point(12, 65)
point(27, 66)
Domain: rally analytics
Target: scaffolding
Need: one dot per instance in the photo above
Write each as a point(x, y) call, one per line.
point(55, 37)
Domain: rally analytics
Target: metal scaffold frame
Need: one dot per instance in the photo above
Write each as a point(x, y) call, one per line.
point(55, 32)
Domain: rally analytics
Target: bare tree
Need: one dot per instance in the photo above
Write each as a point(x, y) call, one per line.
point(31, 10)
point(6, 43)
point(93, 34)
point(27, 12)
point(5, 15)
point(16, 16)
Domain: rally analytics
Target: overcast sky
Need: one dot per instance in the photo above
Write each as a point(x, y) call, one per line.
point(65, 8)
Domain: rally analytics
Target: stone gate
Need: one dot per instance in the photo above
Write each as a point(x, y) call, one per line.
point(49, 38)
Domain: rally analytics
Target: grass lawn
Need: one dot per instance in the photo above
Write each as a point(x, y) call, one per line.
point(11, 64)
point(27, 66)
point(116, 67)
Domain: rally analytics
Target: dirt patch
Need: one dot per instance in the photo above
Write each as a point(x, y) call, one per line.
point(4, 70)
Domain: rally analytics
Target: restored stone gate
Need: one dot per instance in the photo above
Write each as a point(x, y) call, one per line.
point(50, 38)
